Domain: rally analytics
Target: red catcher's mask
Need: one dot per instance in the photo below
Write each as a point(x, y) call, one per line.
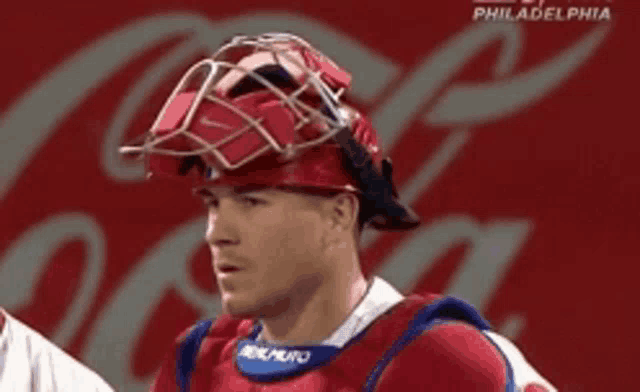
point(266, 111)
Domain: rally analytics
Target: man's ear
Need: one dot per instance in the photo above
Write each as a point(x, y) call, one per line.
point(343, 210)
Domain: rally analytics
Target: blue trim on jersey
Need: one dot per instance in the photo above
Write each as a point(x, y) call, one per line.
point(451, 308)
point(441, 311)
point(188, 351)
point(511, 383)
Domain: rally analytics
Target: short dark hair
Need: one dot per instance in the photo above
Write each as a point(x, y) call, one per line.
point(364, 211)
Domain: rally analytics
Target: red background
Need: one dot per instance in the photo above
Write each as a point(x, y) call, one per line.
point(568, 163)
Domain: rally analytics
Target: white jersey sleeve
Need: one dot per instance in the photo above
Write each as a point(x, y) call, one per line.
point(31, 363)
point(523, 373)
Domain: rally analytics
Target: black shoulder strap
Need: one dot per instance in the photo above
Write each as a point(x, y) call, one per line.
point(187, 353)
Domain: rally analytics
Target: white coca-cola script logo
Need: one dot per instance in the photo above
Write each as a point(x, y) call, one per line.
point(462, 106)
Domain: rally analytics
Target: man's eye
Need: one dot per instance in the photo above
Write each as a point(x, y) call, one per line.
point(250, 201)
point(210, 202)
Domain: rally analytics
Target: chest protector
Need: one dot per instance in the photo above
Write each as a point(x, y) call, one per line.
point(249, 365)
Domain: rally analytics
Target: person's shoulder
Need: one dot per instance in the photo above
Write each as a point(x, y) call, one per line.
point(462, 346)
point(53, 364)
point(457, 351)
point(218, 337)
point(526, 377)
point(450, 356)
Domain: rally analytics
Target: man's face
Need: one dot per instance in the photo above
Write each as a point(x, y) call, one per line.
point(266, 247)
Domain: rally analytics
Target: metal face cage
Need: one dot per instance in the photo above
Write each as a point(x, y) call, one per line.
point(237, 62)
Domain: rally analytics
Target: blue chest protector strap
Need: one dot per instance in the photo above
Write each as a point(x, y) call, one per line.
point(187, 353)
point(446, 309)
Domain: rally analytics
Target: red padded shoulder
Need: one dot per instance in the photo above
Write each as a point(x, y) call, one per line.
point(452, 357)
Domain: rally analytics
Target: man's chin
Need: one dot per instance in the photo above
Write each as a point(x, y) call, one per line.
point(240, 309)
point(251, 308)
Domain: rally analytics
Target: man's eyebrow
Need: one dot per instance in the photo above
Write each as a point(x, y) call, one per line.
point(203, 192)
point(241, 190)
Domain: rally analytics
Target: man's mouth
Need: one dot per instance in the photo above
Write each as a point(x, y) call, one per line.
point(226, 269)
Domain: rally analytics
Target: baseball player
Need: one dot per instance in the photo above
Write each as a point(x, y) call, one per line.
point(290, 176)
point(31, 363)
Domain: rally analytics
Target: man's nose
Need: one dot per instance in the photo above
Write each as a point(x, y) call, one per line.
point(221, 227)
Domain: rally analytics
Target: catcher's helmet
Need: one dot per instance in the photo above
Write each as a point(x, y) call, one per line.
point(266, 111)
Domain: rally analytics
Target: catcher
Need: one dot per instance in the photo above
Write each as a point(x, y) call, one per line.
point(290, 176)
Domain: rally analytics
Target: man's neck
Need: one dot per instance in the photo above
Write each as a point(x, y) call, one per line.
point(325, 310)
